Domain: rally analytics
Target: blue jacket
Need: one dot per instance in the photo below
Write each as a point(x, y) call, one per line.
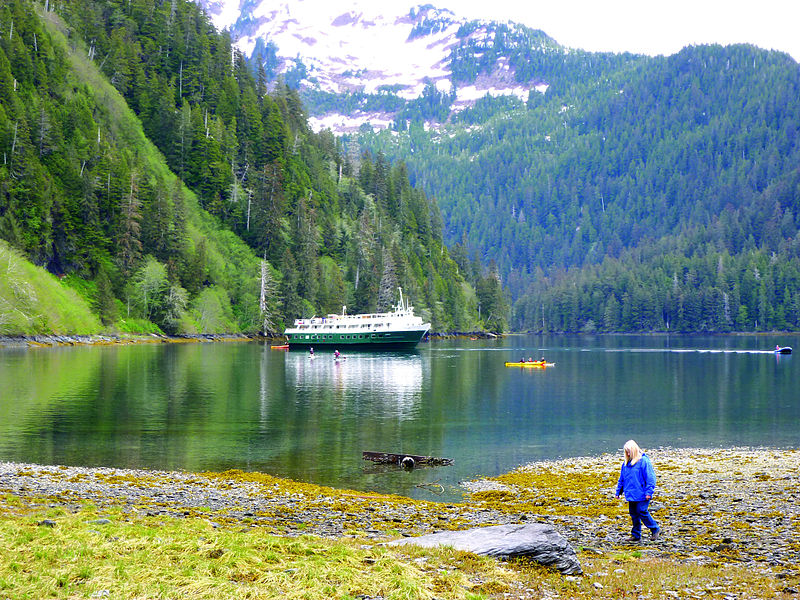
point(637, 481)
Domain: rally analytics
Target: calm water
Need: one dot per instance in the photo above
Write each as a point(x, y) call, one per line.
point(241, 405)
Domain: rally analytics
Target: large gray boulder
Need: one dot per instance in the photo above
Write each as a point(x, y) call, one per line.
point(537, 541)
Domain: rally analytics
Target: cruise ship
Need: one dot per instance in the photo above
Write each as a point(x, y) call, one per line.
point(399, 328)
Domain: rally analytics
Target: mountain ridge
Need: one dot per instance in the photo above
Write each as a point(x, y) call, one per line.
point(651, 167)
point(339, 49)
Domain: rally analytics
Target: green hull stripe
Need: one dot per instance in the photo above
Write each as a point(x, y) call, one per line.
point(355, 339)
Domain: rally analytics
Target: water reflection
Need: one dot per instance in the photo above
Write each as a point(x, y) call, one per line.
point(393, 380)
point(219, 406)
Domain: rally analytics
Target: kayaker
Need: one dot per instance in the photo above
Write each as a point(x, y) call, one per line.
point(637, 480)
point(311, 351)
point(335, 354)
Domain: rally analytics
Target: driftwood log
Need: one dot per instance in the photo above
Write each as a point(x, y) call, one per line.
point(405, 460)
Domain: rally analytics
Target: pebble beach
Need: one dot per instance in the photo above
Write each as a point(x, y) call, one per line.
point(735, 505)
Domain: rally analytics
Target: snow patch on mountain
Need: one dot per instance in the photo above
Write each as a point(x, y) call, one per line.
point(223, 13)
point(343, 46)
point(351, 123)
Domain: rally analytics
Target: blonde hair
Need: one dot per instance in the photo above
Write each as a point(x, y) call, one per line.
point(632, 452)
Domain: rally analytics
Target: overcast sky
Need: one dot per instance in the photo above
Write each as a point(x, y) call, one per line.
point(648, 26)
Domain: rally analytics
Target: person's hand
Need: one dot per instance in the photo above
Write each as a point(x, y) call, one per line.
point(647, 497)
point(617, 496)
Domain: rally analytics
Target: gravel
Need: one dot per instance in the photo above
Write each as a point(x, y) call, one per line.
point(734, 505)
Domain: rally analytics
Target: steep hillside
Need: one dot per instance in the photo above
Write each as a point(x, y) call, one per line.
point(33, 301)
point(144, 160)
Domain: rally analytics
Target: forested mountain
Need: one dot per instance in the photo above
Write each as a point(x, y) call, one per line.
point(150, 168)
point(635, 194)
point(372, 64)
point(610, 192)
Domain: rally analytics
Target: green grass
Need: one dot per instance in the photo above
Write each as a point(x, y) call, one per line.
point(82, 556)
point(136, 326)
point(190, 558)
point(206, 554)
point(32, 301)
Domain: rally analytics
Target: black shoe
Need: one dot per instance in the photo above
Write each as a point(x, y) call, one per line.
point(633, 539)
point(655, 535)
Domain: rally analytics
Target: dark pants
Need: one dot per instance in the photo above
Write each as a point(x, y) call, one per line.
point(639, 515)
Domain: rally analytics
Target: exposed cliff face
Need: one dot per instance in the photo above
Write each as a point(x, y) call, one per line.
point(342, 47)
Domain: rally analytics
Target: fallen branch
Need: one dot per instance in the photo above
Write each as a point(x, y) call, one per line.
point(433, 486)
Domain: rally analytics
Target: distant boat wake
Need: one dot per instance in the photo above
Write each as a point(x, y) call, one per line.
point(691, 350)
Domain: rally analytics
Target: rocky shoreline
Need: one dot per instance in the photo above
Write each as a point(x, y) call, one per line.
point(722, 506)
point(53, 340)
point(280, 506)
point(716, 506)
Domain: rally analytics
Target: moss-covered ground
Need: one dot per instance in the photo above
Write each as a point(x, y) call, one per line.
point(729, 517)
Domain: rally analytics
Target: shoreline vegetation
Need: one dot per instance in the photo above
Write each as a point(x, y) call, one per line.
point(730, 519)
point(56, 340)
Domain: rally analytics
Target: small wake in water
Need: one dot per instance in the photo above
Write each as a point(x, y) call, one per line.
point(689, 351)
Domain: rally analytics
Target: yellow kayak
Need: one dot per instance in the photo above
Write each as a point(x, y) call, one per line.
point(535, 363)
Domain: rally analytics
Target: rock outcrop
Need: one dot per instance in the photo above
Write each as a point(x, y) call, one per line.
point(537, 541)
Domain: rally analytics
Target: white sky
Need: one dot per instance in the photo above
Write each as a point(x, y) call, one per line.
point(647, 26)
point(642, 26)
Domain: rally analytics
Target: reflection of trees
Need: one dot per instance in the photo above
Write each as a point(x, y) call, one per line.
point(47, 390)
point(217, 406)
point(152, 406)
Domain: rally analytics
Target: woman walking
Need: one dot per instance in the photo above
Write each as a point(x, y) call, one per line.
point(637, 480)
